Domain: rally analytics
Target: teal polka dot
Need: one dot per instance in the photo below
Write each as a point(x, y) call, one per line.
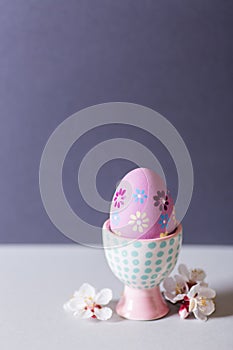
point(116, 251)
point(125, 261)
point(148, 270)
point(153, 277)
point(176, 255)
point(169, 266)
point(117, 259)
point(144, 282)
point(152, 285)
point(115, 241)
point(178, 247)
point(136, 270)
point(144, 277)
point(170, 251)
point(124, 253)
point(158, 262)
point(172, 241)
point(137, 244)
point(146, 287)
point(126, 276)
point(148, 262)
point(164, 274)
point(163, 244)
point(134, 253)
point(169, 258)
point(149, 255)
point(134, 282)
point(119, 267)
point(126, 269)
point(158, 269)
point(160, 254)
point(152, 245)
point(133, 277)
point(135, 261)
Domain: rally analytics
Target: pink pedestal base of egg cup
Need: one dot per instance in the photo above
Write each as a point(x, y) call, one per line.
point(142, 304)
point(142, 298)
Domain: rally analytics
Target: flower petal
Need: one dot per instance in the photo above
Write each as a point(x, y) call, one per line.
point(146, 220)
point(178, 297)
point(180, 280)
point(183, 270)
point(135, 228)
point(103, 314)
point(103, 297)
point(133, 217)
point(206, 292)
point(140, 229)
point(74, 303)
point(208, 308)
point(83, 313)
point(131, 222)
point(66, 306)
point(192, 305)
point(183, 312)
point(194, 290)
point(169, 284)
point(86, 290)
point(197, 313)
point(143, 215)
point(138, 214)
point(197, 275)
point(169, 296)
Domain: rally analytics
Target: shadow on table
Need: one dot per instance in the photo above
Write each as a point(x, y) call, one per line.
point(173, 309)
point(224, 304)
point(115, 317)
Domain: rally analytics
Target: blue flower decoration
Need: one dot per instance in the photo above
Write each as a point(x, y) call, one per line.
point(115, 218)
point(163, 220)
point(140, 196)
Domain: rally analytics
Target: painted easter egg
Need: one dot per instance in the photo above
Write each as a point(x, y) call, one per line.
point(142, 207)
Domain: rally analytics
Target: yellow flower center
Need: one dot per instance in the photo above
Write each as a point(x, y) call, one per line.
point(202, 301)
point(179, 289)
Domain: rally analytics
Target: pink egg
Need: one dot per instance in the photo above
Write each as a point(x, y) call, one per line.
point(141, 207)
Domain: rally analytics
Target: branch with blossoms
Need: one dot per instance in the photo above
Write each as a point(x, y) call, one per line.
point(191, 292)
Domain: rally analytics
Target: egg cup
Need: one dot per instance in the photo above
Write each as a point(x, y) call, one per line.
point(141, 265)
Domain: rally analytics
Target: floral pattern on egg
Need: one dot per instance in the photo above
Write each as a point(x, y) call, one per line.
point(140, 196)
point(139, 221)
point(161, 200)
point(119, 198)
point(143, 206)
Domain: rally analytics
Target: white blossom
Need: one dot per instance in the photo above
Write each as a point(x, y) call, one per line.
point(175, 288)
point(201, 301)
point(86, 303)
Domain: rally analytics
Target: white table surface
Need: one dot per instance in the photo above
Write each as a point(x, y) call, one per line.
point(35, 281)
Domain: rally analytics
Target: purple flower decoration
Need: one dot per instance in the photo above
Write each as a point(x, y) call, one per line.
point(119, 198)
point(161, 200)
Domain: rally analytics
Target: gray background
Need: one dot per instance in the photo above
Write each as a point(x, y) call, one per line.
point(57, 57)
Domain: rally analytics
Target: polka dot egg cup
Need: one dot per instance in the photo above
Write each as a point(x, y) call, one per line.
point(141, 265)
